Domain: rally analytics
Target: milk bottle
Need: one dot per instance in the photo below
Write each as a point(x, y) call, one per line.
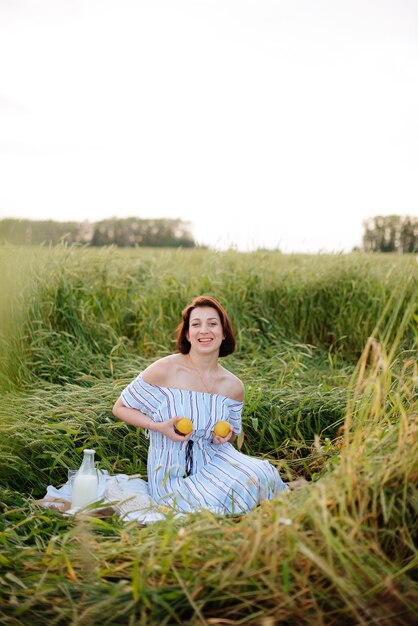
point(86, 482)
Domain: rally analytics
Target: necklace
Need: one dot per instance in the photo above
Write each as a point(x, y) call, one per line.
point(209, 390)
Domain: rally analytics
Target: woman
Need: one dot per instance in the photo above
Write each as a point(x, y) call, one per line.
point(199, 470)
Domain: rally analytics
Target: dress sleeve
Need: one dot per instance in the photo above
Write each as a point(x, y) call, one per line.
point(234, 416)
point(140, 395)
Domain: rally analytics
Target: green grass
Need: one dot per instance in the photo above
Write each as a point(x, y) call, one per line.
point(327, 352)
point(81, 310)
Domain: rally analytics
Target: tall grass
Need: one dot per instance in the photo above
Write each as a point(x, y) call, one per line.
point(338, 409)
point(82, 310)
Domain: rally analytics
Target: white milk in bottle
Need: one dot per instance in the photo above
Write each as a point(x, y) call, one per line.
point(86, 482)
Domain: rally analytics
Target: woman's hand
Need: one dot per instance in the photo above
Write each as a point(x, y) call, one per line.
point(166, 428)
point(219, 440)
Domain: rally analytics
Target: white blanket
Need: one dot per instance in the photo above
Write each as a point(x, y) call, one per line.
point(128, 495)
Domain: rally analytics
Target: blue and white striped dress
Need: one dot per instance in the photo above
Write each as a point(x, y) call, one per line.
point(221, 479)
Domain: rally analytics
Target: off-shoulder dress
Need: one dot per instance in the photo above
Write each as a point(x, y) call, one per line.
point(200, 475)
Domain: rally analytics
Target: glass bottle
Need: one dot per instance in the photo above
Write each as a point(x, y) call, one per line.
point(86, 482)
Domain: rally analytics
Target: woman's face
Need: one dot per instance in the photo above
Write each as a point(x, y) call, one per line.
point(205, 329)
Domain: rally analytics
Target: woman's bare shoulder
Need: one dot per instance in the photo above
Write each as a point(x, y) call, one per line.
point(160, 372)
point(233, 386)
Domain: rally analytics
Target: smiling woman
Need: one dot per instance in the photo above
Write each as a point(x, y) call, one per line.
point(200, 469)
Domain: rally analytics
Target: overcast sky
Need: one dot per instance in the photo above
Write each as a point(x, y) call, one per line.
point(275, 123)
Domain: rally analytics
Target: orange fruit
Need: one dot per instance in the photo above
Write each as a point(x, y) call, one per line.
point(222, 429)
point(184, 426)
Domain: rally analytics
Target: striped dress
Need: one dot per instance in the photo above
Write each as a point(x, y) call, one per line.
point(221, 478)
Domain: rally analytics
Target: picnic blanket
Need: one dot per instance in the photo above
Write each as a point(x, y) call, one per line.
point(126, 495)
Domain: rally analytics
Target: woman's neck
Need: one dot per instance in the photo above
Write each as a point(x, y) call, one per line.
point(206, 369)
point(203, 362)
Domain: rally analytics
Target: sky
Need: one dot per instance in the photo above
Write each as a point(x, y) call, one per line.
point(264, 123)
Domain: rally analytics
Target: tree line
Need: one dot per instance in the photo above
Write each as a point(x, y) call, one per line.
point(391, 233)
point(123, 232)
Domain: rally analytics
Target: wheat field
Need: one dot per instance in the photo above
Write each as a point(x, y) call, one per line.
point(327, 350)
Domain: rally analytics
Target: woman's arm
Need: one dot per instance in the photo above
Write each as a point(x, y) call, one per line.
point(134, 417)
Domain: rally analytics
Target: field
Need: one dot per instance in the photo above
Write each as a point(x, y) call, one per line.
point(327, 350)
